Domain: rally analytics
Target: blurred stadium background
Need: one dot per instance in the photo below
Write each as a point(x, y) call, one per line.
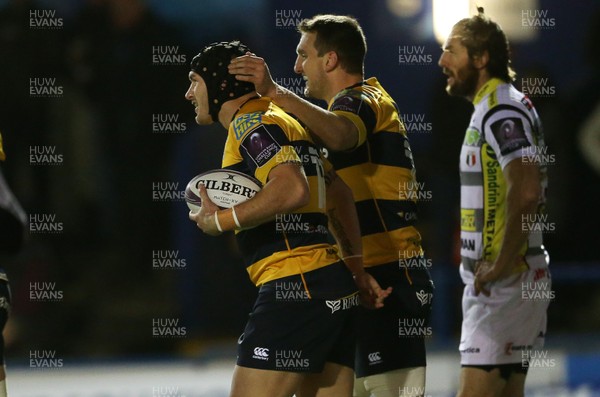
point(116, 293)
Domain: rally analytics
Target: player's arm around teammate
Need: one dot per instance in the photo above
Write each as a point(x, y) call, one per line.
point(361, 116)
point(335, 132)
point(329, 340)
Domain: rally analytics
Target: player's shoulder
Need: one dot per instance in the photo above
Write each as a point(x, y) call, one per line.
point(503, 101)
point(266, 119)
point(246, 122)
point(369, 89)
point(352, 99)
point(344, 99)
point(276, 117)
point(509, 95)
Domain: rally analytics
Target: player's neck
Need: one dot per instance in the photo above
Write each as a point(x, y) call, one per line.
point(341, 82)
point(230, 108)
point(484, 77)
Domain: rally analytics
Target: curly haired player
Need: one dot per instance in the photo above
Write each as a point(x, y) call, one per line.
point(503, 187)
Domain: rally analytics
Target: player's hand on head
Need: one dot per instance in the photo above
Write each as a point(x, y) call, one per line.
point(254, 69)
point(205, 218)
point(371, 293)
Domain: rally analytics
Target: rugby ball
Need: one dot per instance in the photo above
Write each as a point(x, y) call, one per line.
point(225, 188)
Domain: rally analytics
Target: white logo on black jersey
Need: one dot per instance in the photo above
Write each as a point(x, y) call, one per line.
point(375, 358)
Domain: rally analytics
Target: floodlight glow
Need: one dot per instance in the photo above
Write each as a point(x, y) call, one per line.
point(445, 14)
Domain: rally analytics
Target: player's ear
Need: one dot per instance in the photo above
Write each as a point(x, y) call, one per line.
point(481, 61)
point(331, 60)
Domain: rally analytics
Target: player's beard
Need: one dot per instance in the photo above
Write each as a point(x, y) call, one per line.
point(465, 82)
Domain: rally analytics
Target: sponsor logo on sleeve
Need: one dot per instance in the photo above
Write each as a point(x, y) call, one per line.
point(260, 145)
point(347, 103)
point(510, 134)
point(243, 123)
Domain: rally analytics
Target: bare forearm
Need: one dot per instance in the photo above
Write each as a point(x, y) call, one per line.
point(284, 192)
point(344, 225)
point(335, 132)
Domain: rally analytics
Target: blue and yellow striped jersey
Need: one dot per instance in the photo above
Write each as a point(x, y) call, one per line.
point(262, 136)
point(380, 171)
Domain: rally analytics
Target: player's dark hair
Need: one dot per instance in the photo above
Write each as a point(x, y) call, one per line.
point(339, 33)
point(479, 34)
point(211, 64)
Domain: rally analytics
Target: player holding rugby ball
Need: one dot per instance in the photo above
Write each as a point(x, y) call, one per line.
point(301, 342)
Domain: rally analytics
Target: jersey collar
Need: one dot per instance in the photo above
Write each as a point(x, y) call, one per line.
point(242, 105)
point(488, 87)
point(370, 81)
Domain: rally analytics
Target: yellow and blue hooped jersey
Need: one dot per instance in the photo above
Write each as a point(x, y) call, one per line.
point(381, 173)
point(262, 136)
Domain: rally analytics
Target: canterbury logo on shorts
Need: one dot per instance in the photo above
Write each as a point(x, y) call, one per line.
point(374, 358)
point(261, 353)
point(344, 303)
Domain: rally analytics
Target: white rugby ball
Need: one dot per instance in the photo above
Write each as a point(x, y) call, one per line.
point(225, 188)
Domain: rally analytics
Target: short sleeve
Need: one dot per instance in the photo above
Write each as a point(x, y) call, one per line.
point(509, 133)
point(355, 106)
point(264, 147)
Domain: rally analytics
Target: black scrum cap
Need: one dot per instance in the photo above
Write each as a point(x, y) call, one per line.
point(211, 64)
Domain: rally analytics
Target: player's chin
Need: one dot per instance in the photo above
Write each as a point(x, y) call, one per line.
point(454, 90)
point(309, 93)
point(203, 119)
